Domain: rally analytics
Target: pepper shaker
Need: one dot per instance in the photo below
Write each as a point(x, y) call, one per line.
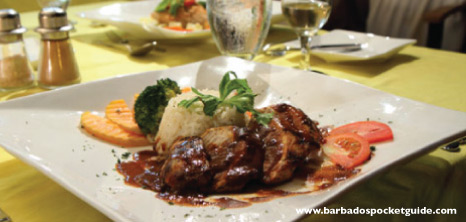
point(15, 69)
point(57, 63)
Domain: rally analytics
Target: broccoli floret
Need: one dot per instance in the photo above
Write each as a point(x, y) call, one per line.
point(171, 87)
point(151, 103)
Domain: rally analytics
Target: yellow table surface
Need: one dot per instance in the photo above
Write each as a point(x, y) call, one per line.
point(431, 76)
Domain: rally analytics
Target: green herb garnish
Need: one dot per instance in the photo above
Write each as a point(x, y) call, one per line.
point(243, 100)
point(173, 4)
point(203, 3)
point(125, 155)
point(163, 5)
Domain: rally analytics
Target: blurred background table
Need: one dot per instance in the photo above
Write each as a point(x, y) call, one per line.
point(436, 180)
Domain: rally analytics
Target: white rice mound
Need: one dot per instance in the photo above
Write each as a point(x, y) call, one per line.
point(178, 122)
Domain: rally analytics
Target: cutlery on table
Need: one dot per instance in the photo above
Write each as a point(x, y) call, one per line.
point(134, 49)
point(4, 217)
point(280, 51)
point(455, 145)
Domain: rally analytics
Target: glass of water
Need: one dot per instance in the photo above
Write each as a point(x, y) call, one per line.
point(63, 4)
point(239, 27)
point(306, 17)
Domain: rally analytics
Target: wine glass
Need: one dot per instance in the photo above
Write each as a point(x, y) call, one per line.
point(306, 17)
point(63, 4)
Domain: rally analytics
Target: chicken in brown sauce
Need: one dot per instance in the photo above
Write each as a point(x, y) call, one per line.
point(236, 157)
point(188, 166)
point(225, 159)
point(288, 140)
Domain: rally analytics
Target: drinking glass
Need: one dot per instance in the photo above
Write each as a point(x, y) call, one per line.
point(239, 27)
point(306, 17)
point(63, 4)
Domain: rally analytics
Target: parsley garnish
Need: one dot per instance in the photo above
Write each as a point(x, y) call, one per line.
point(163, 5)
point(243, 100)
point(125, 155)
point(173, 6)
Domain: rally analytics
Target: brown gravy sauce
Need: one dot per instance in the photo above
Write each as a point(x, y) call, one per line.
point(267, 195)
point(144, 172)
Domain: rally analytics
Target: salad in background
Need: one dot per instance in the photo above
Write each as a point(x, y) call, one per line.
point(181, 15)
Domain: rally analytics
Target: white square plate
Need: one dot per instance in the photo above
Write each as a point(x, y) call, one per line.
point(374, 48)
point(44, 131)
point(132, 17)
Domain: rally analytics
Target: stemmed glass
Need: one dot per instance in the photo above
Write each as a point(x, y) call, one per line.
point(306, 17)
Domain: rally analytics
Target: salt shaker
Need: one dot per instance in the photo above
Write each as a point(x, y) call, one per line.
point(57, 63)
point(15, 69)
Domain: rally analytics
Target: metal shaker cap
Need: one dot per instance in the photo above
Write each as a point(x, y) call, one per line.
point(10, 22)
point(53, 19)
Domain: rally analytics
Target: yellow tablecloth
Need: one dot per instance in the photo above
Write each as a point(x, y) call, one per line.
point(431, 76)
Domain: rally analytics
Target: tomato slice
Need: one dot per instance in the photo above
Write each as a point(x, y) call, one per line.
point(372, 131)
point(188, 3)
point(348, 149)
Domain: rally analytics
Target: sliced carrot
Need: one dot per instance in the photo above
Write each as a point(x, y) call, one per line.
point(186, 89)
point(118, 112)
point(249, 114)
point(109, 131)
point(177, 28)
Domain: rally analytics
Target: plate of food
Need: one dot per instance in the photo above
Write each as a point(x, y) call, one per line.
point(157, 19)
point(218, 140)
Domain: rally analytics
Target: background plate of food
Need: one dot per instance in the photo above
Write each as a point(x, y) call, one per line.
point(46, 131)
point(151, 20)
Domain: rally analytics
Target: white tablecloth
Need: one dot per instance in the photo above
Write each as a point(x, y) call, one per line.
point(403, 18)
